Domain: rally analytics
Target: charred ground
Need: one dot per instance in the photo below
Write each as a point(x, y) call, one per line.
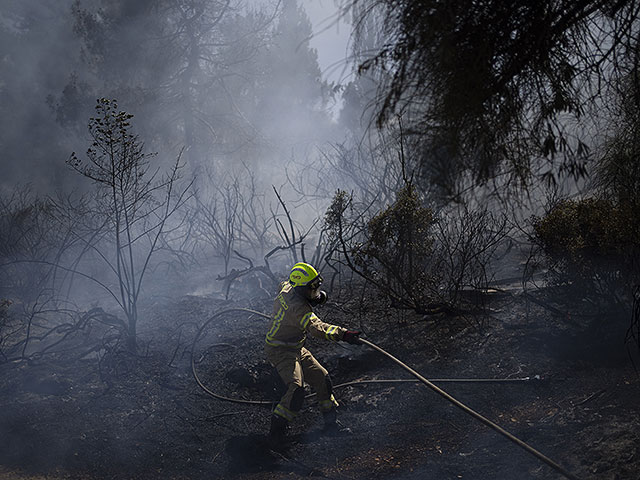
point(84, 413)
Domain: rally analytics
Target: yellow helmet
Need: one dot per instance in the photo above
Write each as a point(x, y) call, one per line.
point(303, 274)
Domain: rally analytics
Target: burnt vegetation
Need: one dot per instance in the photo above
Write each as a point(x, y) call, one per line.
point(474, 208)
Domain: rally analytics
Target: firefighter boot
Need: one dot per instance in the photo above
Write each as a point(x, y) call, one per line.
point(332, 426)
point(277, 433)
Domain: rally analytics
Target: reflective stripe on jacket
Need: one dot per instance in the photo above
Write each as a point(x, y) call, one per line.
point(293, 318)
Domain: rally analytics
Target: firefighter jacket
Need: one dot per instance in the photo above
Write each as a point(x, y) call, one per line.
point(293, 318)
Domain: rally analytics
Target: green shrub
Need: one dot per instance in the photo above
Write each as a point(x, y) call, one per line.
point(420, 260)
point(397, 249)
point(593, 248)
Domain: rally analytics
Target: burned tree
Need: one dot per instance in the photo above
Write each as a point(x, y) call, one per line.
point(134, 204)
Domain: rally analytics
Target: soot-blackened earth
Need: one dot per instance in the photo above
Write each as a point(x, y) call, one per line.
point(96, 413)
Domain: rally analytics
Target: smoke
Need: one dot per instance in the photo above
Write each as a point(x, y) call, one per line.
point(36, 56)
point(246, 93)
point(229, 85)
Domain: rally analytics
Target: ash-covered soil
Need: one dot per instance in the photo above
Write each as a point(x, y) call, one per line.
point(83, 414)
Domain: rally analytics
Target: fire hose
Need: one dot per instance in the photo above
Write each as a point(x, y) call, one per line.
point(429, 383)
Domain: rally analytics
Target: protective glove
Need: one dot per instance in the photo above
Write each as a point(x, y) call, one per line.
point(321, 299)
point(351, 336)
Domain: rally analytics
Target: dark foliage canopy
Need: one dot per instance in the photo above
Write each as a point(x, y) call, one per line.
point(486, 86)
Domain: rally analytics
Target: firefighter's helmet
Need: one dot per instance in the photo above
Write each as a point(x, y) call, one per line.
point(303, 274)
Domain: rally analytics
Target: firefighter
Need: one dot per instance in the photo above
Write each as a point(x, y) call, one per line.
point(293, 318)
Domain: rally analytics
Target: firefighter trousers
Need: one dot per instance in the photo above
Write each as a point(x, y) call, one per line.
point(295, 367)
